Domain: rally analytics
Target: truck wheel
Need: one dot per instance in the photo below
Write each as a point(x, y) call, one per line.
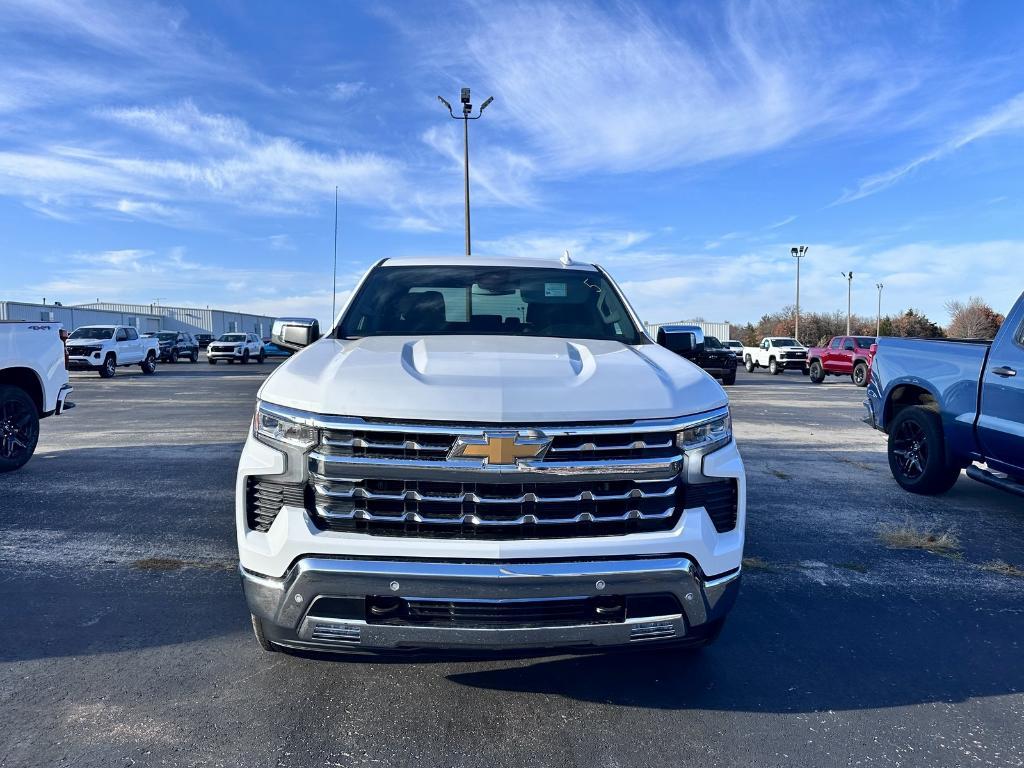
point(773, 367)
point(257, 629)
point(261, 357)
point(729, 378)
point(174, 355)
point(245, 357)
point(917, 452)
point(148, 365)
point(817, 373)
point(805, 371)
point(860, 374)
point(19, 427)
point(749, 364)
point(211, 360)
point(195, 357)
point(109, 367)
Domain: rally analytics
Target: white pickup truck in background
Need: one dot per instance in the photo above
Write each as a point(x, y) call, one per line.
point(777, 354)
point(33, 385)
point(102, 348)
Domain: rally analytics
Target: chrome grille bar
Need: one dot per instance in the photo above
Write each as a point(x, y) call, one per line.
point(461, 498)
point(636, 445)
point(475, 520)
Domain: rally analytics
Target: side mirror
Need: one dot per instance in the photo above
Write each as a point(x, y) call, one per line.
point(295, 332)
point(680, 342)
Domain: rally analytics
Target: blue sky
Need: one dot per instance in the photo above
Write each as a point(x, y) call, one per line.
point(189, 152)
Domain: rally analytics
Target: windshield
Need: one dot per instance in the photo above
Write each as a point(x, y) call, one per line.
point(785, 343)
point(506, 301)
point(165, 336)
point(734, 344)
point(864, 342)
point(92, 333)
point(232, 337)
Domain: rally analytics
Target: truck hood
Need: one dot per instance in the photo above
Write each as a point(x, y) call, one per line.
point(491, 379)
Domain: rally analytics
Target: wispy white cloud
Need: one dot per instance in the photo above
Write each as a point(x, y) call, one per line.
point(347, 90)
point(1006, 118)
point(137, 274)
point(782, 222)
point(225, 162)
point(622, 87)
point(498, 175)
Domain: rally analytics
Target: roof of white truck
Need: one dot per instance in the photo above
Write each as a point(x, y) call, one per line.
point(485, 261)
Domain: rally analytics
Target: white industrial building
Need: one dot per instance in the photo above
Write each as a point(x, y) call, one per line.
point(145, 317)
point(721, 331)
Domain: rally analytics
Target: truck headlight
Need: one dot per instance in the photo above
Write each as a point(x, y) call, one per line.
point(275, 428)
point(706, 436)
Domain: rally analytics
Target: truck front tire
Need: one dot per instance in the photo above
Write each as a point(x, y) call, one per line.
point(109, 367)
point(860, 374)
point(19, 427)
point(774, 368)
point(917, 452)
point(729, 378)
point(148, 365)
point(817, 373)
point(749, 364)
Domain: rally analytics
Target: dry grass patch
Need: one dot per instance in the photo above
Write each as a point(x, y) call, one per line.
point(909, 536)
point(756, 563)
point(1003, 568)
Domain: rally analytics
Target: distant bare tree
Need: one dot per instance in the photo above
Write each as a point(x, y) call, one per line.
point(973, 320)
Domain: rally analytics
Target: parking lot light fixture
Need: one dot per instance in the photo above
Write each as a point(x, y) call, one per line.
point(878, 316)
point(465, 117)
point(849, 295)
point(797, 252)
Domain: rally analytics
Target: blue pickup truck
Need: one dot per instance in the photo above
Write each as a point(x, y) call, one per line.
point(948, 404)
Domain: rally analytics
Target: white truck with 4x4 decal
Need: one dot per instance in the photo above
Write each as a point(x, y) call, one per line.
point(487, 453)
point(778, 354)
point(33, 385)
point(102, 348)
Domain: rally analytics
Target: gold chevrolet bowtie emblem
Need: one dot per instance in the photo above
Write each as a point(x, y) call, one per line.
point(504, 448)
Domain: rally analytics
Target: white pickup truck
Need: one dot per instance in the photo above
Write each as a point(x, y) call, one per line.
point(778, 354)
point(103, 348)
point(487, 453)
point(33, 385)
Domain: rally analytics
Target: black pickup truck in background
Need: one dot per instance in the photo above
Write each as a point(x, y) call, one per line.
point(708, 352)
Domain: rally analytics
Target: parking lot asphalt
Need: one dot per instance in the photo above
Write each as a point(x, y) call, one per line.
point(126, 641)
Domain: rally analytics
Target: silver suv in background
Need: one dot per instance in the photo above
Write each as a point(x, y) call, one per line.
point(236, 346)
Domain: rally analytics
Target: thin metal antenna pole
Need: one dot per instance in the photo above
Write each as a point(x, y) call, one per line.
point(334, 288)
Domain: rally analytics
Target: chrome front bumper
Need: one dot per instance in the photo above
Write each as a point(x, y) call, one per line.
point(288, 606)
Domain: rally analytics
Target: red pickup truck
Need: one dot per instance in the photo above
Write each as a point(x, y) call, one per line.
point(842, 356)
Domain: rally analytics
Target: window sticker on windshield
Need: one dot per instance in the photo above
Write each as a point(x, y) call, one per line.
point(555, 289)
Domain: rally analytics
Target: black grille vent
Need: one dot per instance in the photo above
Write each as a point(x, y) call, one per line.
point(264, 499)
point(720, 499)
point(495, 510)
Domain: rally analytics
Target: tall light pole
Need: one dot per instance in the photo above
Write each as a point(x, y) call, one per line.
point(878, 317)
point(797, 253)
point(849, 296)
point(466, 116)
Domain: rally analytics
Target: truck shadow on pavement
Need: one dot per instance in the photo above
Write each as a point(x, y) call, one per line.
point(811, 650)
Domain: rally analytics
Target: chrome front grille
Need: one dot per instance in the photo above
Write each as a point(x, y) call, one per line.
point(501, 482)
